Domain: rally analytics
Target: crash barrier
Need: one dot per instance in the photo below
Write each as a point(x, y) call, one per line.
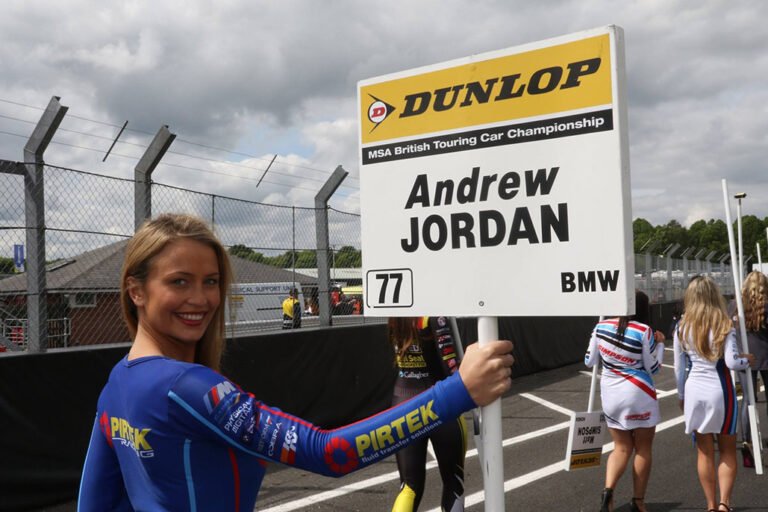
point(329, 376)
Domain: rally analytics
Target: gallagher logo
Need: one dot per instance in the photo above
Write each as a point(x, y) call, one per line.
point(378, 111)
point(340, 457)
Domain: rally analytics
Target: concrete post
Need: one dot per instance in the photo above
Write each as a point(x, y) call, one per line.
point(34, 205)
point(323, 243)
point(142, 175)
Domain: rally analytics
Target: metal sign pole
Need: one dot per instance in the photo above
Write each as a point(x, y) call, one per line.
point(753, 422)
point(490, 432)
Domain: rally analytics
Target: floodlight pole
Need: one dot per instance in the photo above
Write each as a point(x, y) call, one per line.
point(759, 257)
point(34, 211)
point(754, 426)
point(739, 197)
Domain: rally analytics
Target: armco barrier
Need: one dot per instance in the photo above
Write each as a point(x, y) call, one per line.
point(328, 376)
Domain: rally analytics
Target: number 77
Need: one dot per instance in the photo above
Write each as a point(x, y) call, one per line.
point(398, 277)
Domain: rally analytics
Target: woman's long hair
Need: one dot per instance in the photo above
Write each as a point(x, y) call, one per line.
point(642, 313)
point(704, 316)
point(754, 294)
point(148, 241)
point(402, 332)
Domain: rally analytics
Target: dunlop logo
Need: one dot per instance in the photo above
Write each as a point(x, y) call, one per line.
point(553, 79)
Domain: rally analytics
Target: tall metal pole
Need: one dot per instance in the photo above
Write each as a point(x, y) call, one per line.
point(34, 210)
point(754, 426)
point(739, 197)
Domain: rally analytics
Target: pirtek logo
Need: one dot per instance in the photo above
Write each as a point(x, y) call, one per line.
point(494, 89)
point(397, 430)
point(136, 438)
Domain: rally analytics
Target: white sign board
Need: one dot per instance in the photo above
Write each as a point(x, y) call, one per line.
point(251, 303)
point(585, 440)
point(499, 184)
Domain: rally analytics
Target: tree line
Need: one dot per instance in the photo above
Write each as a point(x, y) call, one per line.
point(711, 235)
point(345, 257)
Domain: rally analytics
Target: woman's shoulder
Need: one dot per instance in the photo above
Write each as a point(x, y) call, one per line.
point(639, 326)
point(152, 370)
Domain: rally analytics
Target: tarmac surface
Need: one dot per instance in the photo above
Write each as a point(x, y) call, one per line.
point(535, 421)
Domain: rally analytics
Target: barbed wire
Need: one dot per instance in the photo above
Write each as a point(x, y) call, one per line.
point(207, 146)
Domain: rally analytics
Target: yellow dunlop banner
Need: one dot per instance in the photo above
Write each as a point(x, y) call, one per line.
point(561, 78)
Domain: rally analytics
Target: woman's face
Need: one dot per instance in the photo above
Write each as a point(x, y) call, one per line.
point(177, 301)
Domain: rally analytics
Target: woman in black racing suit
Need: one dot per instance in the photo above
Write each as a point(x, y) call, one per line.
point(426, 354)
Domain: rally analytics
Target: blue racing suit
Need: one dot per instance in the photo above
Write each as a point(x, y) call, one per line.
point(176, 436)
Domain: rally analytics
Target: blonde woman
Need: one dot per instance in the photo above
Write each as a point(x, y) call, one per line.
point(754, 293)
point(705, 349)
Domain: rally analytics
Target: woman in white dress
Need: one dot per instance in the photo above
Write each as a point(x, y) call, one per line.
point(631, 352)
point(705, 349)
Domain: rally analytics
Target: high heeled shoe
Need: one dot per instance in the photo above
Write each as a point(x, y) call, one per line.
point(633, 504)
point(727, 508)
point(606, 499)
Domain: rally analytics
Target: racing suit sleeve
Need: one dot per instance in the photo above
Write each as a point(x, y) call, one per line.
point(101, 486)
point(445, 345)
point(222, 411)
point(732, 359)
point(651, 351)
point(681, 365)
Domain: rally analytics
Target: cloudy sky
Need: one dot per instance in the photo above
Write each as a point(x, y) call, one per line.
point(242, 81)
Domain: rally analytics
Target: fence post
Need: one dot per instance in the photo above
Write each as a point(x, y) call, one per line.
point(697, 257)
point(722, 267)
point(142, 175)
point(685, 255)
point(708, 260)
point(34, 207)
point(668, 253)
point(323, 242)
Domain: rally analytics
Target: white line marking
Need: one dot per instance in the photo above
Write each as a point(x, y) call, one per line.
point(547, 404)
point(431, 450)
point(668, 366)
point(510, 485)
point(394, 475)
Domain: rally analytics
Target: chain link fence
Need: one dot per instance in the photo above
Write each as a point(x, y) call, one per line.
point(90, 217)
point(664, 279)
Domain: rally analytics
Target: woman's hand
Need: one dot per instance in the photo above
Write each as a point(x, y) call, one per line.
point(659, 336)
point(486, 371)
point(750, 358)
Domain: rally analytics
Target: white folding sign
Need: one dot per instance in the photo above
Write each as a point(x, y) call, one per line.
point(498, 184)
